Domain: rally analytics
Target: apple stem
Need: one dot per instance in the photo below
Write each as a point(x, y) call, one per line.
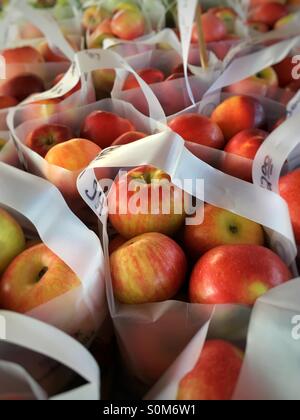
point(201, 39)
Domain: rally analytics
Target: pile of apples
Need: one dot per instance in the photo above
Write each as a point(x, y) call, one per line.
point(125, 22)
point(266, 15)
point(223, 260)
point(30, 274)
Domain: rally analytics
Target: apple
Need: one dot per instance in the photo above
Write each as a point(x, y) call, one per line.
point(7, 102)
point(22, 86)
point(34, 278)
point(198, 129)
point(149, 75)
point(129, 137)
point(263, 83)
point(238, 113)
point(246, 143)
point(16, 60)
point(93, 16)
point(215, 375)
point(149, 268)
point(160, 206)
point(236, 274)
point(268, 13)
point(44, 137)
point(51, 56)
point(289, 188)
point(104, 128)
point(12, 239)
point(214, 28)
point(128, 24)
point(103, 31)
point(284, 71)
point(227, 15)
point(73, 155)
point(221, 227)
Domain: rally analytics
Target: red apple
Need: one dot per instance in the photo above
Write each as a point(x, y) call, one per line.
point(7, 102)
point(246, 143)
point(43, 138)
point(12, 239)
point(129, 137)
point(198, 129)
point(214, 28)
point(236, 274)
point(263, 83)
point(160, 206)
point(268, 13)
point(289, 188)
point(284, 71)
point(149, 268)
point(17, 60)
point(73, 155)
point(128, 24)
point(238, 113)
point(22, 86)
point(215, 375)
point(51, 56)
point(150, 76)
point(34, 278)
point(221, 227)
point(104, 128)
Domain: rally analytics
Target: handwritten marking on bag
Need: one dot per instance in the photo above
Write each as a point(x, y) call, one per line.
point(267, 171)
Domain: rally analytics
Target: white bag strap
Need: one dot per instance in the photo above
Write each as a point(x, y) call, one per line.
point(51, 342)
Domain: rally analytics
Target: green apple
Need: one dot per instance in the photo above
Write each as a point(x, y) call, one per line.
point(12, 239)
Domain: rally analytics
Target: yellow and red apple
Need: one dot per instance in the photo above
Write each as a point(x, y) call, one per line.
point(149, 268)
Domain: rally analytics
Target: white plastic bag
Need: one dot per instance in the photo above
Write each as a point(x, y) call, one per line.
point(33, 361)
point(42, 212)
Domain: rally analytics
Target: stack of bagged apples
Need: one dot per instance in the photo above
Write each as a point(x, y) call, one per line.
point(154, 256)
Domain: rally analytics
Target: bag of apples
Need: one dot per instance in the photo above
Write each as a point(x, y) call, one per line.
point(162, 69)
point(264, 367)
point(97, 124)
point(128, 20)
point(276, 166)
point(34, 364)
point(153, 257)
point(29, 67)
point(59, 258)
